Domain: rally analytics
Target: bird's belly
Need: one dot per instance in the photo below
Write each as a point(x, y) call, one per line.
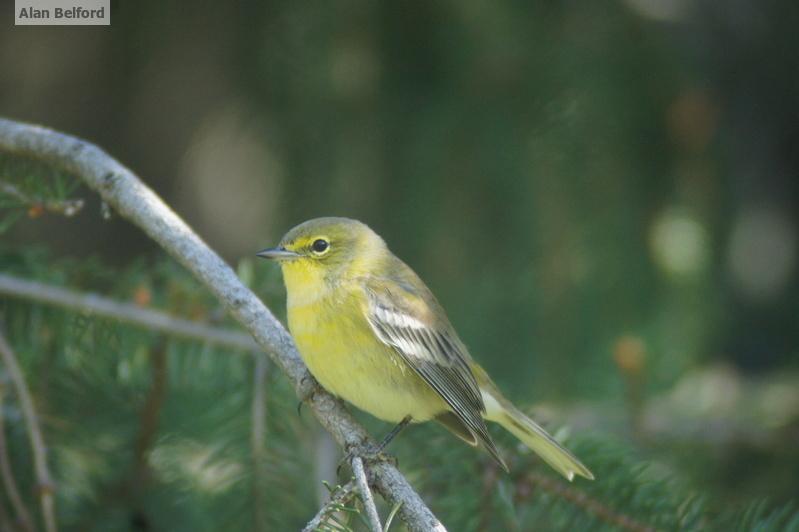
point(349, 361)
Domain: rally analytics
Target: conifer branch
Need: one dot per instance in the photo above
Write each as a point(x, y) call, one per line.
point(43, 478)
point(132, 199)
point(65, 207)
point(584, 501)
point(339, 497)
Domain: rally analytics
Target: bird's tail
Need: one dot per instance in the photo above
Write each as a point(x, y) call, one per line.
point(500, 410)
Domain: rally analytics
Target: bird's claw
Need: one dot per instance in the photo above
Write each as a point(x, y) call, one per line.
point(369, 454)
point(308, 388)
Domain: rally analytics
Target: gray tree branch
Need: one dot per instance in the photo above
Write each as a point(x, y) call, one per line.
point(125, 312)
point(132, 199)
point(366, 494)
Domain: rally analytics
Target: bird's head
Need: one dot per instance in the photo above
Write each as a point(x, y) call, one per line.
point(330, 247)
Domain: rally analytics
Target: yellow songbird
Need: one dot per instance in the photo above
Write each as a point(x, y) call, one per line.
point(372, 333)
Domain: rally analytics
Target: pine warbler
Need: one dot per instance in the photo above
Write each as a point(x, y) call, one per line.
point(372, 333)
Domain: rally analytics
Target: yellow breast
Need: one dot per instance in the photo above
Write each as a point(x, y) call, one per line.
point(337, 344)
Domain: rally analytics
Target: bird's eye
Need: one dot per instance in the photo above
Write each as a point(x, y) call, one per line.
point(320, 245)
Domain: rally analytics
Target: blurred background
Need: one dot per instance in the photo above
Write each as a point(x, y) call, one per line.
point(603, 195)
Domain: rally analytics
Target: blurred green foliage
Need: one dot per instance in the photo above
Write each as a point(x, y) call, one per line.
point(95, 384)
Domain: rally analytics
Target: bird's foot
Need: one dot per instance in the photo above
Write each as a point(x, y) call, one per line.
point(369, 453)
point(308, 388)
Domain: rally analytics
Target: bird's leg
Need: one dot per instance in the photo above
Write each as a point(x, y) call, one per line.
point(391, 435)
point(375, 453)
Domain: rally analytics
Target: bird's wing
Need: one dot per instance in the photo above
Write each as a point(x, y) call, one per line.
point(427, 343)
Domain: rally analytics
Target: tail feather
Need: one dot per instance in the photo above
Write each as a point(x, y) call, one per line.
point(535, 437)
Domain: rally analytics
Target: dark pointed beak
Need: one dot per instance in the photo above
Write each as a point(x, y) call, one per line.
point(278, 253)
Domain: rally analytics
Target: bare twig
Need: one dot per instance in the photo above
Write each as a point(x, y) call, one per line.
point(366, 494)
point(138, 482)
point(588, 504)
point(341, 496)
point(125, 192)
point(258, 441)
point(23, 516)
point(125, 312)
point(150, 415)
point(43, 478)
point(66, 207)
